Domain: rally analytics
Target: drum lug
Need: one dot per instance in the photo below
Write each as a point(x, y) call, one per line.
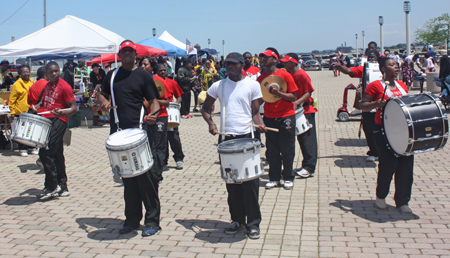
point(232, 174)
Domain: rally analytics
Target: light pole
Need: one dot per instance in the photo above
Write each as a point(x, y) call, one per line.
point(223, 43)
point(154, 32)
point(364, 44)
point(380, 21)
point(12, 40)
point(356, 37)
point(209, 43)
point(407, 9)
point(45, 13)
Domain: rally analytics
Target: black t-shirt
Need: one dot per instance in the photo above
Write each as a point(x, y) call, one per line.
point(130, 88)
point(97, 78)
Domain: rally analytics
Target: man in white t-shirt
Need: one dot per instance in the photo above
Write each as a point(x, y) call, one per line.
point(240, 97)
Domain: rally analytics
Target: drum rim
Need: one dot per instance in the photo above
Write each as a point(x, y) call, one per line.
point(35, 117)
point(127, 146)
point(174, 104)
point(407, 117)
point(256, 146)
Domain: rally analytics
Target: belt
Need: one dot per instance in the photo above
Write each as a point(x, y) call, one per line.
point(308, 104)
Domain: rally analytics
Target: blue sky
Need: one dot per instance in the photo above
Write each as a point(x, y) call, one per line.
point(245, 25)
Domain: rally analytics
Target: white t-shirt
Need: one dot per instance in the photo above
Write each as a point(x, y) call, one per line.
point(238, 108)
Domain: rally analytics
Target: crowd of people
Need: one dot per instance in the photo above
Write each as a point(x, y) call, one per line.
point(234, 81)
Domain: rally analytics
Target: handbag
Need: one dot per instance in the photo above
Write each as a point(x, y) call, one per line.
point(202, 97)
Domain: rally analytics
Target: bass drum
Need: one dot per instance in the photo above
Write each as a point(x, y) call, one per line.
point(414, 124)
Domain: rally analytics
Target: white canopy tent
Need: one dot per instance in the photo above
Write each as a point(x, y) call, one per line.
point(170, 39)
point(70, 35)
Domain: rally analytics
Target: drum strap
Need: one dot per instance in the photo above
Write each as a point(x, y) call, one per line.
point(116, 117)
point(389, 92)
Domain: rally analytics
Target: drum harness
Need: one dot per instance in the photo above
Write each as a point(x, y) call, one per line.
point(116, 117)
point(222, 111)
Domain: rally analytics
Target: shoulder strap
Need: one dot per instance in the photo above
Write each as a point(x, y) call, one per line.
point(116, 117)
point(222, 109)
point(40, 96)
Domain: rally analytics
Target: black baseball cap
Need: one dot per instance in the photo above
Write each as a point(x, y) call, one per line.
point(234, 58)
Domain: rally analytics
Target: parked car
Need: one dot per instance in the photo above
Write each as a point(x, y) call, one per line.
point(307, 58)
point(325, 62)
point(13, 67)
point(311, 65)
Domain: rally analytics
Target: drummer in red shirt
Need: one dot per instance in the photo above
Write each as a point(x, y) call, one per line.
point(281, 115)
point(159, 129)
point(389, 164)
point(308, 139)
point(57, 95)
point(250, 70)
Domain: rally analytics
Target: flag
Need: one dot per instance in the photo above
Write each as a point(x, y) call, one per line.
point(189, 47)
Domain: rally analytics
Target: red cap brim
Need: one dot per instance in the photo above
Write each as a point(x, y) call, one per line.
point(268, 52)
point(289, 59)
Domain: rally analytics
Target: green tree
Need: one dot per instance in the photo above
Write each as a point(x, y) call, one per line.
point(434, 30)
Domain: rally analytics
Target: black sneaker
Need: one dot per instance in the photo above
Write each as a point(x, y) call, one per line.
point(126, 230)
point(254, 234)
point(47, 193)
point(149, 231)
point(234, 228)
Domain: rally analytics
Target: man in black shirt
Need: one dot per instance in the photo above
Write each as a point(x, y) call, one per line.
point(97, 75)
point(131, 85)
point(185, 81)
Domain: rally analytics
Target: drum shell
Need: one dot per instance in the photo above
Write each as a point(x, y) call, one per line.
point(424, 128)
point(33, 130)
point(241, 164)
point(130, 159)
point(302, 124)
point(173, 111)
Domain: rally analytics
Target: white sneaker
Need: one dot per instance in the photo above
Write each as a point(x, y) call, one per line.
point(180, 164)
point(34, 151)
point(372, 158)
point(23, 153)
point(272, 184)
point(303, 173)
point(381, 203)
point(288, 185)
point(405, 209)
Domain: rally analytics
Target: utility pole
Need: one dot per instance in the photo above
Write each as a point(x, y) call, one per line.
point(45, 13)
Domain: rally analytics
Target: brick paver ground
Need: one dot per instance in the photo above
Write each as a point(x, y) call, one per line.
point(330, 215)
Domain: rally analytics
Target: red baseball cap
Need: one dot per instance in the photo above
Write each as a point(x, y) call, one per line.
point(269, 52)
point(289, 58)
point(127, 43)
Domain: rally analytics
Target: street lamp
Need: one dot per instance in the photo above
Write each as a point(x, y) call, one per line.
point(223, 43)
point(154, 32)
point(364, 44)
point(380, 21)
point(407, 9)
point(209, 43)
point(356, 37)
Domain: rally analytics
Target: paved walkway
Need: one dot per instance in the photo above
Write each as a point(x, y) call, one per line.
point(330, 215)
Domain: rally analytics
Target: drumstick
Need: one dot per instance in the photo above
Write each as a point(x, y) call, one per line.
point(153, 114)
point(268, 128)
point(385, 88)
point(48, 112)
point(224, 134)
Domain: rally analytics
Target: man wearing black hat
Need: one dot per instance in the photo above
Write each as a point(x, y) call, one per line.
point(239, 96)
point(184, 80)
point(130, 86)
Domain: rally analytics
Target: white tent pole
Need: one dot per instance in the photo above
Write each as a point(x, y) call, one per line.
point(115, 56)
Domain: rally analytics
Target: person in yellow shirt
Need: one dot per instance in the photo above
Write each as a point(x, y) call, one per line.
point(18, 102)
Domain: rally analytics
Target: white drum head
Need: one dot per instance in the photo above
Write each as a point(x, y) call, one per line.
point(395, 127)
point(127, 136)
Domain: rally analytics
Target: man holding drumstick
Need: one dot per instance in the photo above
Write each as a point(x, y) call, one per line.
point(131, 85)
point(240, 95)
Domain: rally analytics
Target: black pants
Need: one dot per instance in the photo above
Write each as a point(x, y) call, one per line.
point(175, 145)
point(142, 189)
point(185, 102)
point(280, 147)
point(159, 132)
point(389, 165)
point(243, 198)
point(53, 157)
point(368, 123)
point(308, 145)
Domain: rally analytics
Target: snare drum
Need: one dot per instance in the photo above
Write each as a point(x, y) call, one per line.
point(414, 124)
point(173, 110)
point(301, 123)
point(129, 152)
point(240, 160)
point(33, 130)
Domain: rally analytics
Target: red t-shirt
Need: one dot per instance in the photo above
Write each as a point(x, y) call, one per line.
point(281, 108)
point(357, 71)
point(304, 85)
point(175, 89)
point(167, 94)
point(251, 71)
point(35, 91)
point(376, 90)
point(57, 95)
